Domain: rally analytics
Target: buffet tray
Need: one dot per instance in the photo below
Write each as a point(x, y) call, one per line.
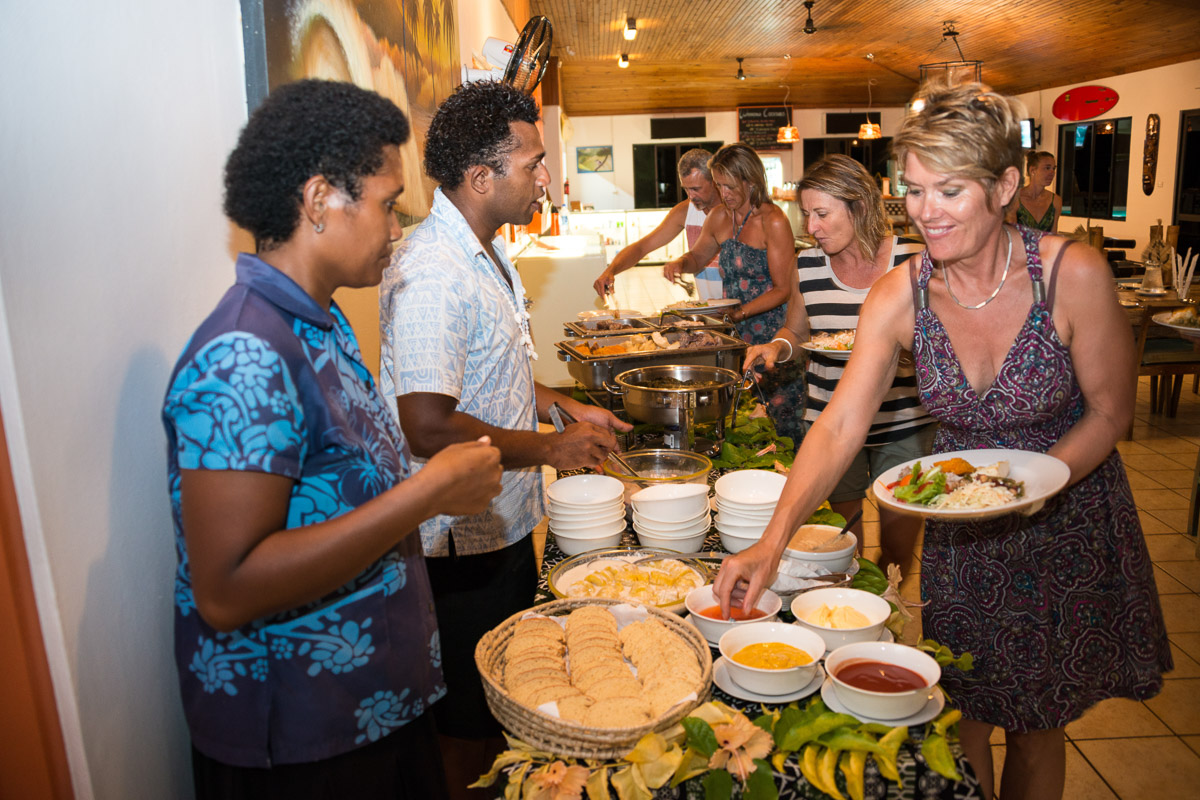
point(710, 321)
point(594, 371)
point(586, 328)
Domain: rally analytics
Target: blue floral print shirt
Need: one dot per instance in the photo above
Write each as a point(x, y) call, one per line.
point(448, 325)
point(271, 382)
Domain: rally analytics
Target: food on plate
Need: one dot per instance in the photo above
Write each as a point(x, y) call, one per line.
point(643, 343)
point(691, 304)
point(1185, 316)
point(958, 466)
point(594, 684)
point(772, 655)
point(736, 613)
point(661, 582)
point(879, 676)
point(836, 340)
point(939, 487)
point(837, 617)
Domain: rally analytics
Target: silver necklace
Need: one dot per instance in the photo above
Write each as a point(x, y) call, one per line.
point(990, 297)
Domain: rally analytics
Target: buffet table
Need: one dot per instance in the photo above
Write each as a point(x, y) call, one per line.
point(917, 779)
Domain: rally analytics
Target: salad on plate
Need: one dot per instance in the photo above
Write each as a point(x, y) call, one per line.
point(957, 484)
point(833, 340)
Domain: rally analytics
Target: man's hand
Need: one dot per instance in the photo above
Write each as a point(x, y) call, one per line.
point(744, 576)
point(582, 445)
point(604, 284)
point(601, 417)
point(468, 474)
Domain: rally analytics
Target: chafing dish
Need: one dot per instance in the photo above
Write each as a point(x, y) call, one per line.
point(590, 327)
point(716, 320)
point(678, 396)
point(594, 371)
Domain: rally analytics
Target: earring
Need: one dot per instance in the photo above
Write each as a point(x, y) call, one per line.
point(319, 227)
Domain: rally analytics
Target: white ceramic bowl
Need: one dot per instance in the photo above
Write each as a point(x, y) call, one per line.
point(838, 560)
point(735, 543)
point(584, 491)
point(750, 487)
point(872, 606)
point(748, 509)
point(702, 598)
point(770, 681)
point(583, 512)
point(573, 545)
point(680, 544)
point(753, 529)
point(671, 502)
point(703, 513)
point(883, 705)
point(559, 523)
point(700, 525)
point(592, 531)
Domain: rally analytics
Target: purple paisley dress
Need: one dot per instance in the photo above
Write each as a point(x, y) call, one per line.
point(745, 275)
point(1059, 608)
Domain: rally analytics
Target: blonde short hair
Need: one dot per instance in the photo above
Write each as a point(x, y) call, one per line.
point(740, 162)
point(847, 180)
point(965, 130)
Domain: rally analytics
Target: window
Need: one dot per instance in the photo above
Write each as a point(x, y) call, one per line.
point(655, 177)
point(1093, 167)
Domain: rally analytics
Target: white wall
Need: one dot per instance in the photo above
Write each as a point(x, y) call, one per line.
point(1164, 91)
point(614, 190)
point(112, 248)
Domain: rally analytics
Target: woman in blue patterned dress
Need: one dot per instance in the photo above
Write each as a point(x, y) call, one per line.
point(757, 256)
point(1019, 343)
point(305, 639)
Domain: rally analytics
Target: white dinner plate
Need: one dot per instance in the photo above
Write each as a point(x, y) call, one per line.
point(1186, 331)
point(840, 355)
point(725, 684)
point(1044, 476)
point(929, 711)
point(715, 302)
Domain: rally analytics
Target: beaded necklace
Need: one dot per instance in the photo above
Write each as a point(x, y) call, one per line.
point(520, 315)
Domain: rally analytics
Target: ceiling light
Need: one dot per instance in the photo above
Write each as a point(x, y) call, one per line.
point(741, 76)
point(961, 71)
point(788, 134)
point(809, 27)
point(870, 130)
point(630, 31)
point(623, 61)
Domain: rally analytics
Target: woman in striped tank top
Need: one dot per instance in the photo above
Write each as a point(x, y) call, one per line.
point(844, 212)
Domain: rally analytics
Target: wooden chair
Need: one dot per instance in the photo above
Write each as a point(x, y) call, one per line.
point(1164, 357)
point(897, 214)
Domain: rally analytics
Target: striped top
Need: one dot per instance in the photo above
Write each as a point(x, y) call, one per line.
point(833, 306)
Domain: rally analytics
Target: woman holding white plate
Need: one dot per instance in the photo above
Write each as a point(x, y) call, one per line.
point(1017, 337)
point(843, 210)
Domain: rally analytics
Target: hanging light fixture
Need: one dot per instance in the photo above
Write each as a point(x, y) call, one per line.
point(630, 31)
point(809, 27)
point(870, 130)
point(623, 61)
point(961, 71)
point(741, 76)
point(787, 134)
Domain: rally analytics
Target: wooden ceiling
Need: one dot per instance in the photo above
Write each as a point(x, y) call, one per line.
point(684, 56)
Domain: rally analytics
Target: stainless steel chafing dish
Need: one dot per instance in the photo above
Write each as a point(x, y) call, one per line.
point(594, 371)
point(590, 327)
point(716, 320)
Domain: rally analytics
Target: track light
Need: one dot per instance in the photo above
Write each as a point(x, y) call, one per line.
point(630, 31)
point(623, 61)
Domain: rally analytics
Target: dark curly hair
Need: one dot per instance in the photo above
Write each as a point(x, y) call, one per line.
point(472, 127)
point(303, 129)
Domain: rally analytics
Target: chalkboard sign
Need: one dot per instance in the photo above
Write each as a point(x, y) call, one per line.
point(758, 126)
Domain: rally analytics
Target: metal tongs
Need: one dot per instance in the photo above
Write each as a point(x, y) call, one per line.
point(561, 419)
point(746, 382)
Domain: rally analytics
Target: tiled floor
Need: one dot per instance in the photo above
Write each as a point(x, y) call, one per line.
point(1123, 748)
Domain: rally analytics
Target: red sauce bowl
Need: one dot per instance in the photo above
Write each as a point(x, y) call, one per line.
point(880, 691)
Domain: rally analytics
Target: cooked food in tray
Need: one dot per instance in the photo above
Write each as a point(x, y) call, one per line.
point(641, 343)
point(595, 684)
point(957, 483)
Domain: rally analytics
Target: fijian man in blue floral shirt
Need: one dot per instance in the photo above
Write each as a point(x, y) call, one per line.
point(456, 361)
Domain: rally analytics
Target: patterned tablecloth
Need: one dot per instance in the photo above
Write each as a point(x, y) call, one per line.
point(917, 779)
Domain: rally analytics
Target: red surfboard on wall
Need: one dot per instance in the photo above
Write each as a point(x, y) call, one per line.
point(1084, 102)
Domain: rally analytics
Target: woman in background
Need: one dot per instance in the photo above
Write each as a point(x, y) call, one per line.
point(1016, 338)
point(305, 639)
point(1038, 207)
point(757, 250)
point(844, 212)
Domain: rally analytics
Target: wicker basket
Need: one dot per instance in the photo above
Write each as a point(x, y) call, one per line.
point(572, 739)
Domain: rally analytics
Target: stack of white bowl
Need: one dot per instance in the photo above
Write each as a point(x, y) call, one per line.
point(587, 512)
point(672, 516)
point(746, 500)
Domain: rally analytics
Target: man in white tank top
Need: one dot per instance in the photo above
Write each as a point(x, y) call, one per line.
point(686, 217)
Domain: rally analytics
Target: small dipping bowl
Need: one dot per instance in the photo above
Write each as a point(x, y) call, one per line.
point(770, 681)
point(872, 606)
point(582, 492)
point(702, 597)
point(883, 705)
point(834, 560)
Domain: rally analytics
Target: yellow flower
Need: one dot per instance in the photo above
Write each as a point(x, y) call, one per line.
point(741, 741)
point(558, 782)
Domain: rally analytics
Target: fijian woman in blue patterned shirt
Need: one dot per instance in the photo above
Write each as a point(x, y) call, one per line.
point(305, 638)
